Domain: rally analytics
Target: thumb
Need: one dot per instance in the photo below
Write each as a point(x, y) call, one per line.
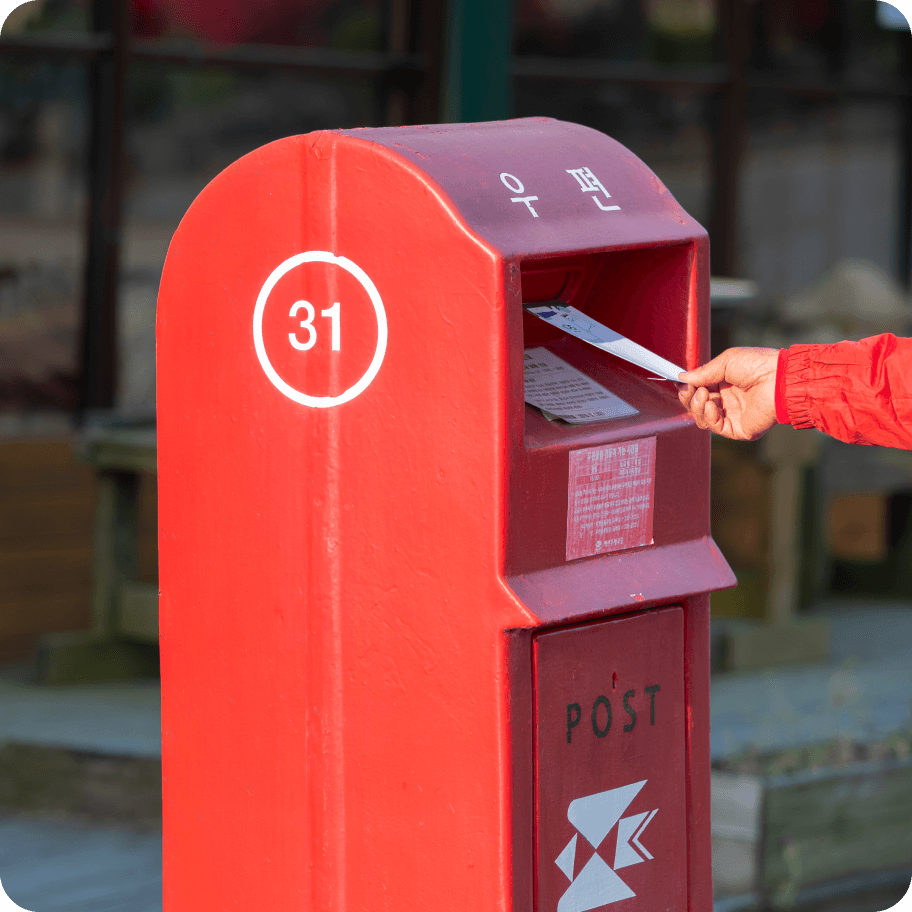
point(709, 374)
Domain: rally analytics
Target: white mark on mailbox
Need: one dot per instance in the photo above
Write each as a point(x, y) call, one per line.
point(595, 816)
point(511, 182)
point(589, 183)
point(333, 314)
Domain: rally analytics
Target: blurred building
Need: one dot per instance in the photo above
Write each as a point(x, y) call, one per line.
point(784, 126)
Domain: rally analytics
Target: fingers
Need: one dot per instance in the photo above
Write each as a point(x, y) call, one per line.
point(711, 414)
point(714, 416)
point(704, 406)
point(709, 374)
point(698, 406)
point(685, 394)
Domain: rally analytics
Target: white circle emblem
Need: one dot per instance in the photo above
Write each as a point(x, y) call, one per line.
point(319, 256)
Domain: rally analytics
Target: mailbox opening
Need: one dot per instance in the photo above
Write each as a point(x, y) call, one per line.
point(642, 293)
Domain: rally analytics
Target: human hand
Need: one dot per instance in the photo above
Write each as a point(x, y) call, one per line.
point(733, 395)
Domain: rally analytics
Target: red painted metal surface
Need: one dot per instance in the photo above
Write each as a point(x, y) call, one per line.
point(610, 774)
point(362, 526)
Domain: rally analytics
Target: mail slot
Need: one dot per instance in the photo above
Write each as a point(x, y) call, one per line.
point(435, 559)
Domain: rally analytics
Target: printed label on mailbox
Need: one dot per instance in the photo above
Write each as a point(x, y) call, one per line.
point(610, 789)
point(609, 499)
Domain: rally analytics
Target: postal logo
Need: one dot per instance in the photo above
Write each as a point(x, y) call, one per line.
point(595, 816)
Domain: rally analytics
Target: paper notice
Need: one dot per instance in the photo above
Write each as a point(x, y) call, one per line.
point(610, 498)
point(576, 323)
point(559, 389)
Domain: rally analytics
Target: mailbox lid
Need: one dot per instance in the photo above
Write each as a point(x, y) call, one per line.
point(610, 790)
point(536, 185)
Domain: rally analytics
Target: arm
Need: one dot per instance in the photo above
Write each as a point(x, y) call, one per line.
point(859, 392)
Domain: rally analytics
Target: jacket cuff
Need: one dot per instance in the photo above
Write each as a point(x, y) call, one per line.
point(781, 408)
point(797, 369)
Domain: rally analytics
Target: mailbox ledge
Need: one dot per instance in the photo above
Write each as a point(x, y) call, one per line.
point(628, 580)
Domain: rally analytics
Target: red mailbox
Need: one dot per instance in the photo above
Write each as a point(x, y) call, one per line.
point(422, 647)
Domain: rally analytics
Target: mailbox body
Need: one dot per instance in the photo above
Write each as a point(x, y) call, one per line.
point(374, 645)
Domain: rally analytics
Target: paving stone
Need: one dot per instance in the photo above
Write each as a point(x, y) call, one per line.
point(61, 866)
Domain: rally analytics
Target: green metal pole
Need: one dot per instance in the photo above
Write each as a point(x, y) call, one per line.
point(476, 83)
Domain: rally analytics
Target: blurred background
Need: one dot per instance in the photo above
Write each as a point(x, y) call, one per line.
point(783, 126)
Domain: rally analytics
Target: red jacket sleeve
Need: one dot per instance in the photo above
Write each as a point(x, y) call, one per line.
point(859, 392)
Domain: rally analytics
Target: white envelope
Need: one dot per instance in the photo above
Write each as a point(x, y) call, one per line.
point(576, 323)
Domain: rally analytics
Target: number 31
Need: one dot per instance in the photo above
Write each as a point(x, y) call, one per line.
point(332, 312)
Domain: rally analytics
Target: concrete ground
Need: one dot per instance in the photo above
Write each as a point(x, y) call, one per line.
point(64, 866)
point(104, 855)
point(863, 693)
